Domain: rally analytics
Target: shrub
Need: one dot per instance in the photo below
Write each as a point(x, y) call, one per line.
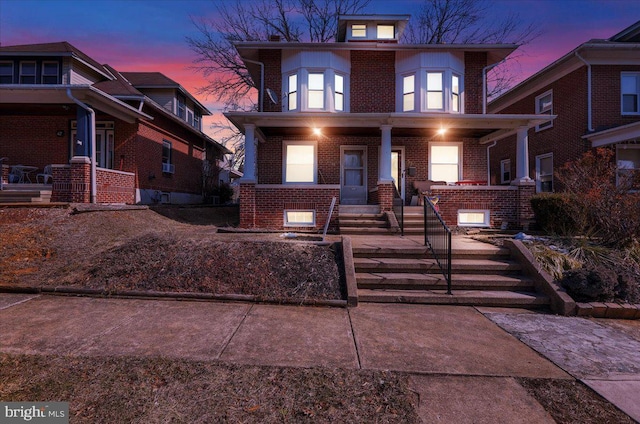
point(557, 213)
point(590, 284)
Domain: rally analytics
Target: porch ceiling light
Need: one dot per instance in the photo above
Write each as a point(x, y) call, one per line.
point(317, 131)
point(441, 131)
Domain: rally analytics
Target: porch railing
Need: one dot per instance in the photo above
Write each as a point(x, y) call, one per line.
point(437, 236)
point(398, 208)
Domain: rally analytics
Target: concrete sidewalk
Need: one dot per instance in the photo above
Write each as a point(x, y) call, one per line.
point(455, 351)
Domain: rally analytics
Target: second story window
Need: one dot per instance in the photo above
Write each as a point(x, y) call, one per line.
point(339, 93)
point(315, 91)
point(50, 73)
point(544, 105)
point(197, 120)
point(435, 92)
point(455, 93)
point(182, 107)
point(27, 72)
point(6, 72)
point(409, 93)
point(630, 91)
point(292, 95)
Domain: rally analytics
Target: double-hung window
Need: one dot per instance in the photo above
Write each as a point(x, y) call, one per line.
point(505, 171)
point(359, 30)
point(292, 94)
point(409, 93)
point(544, 173)
point(6, 72)
point(630, 91)
point(167, 164)
point(544, 105)
point(300, 162)
point(27, 72)
point(445, 162)
point(182, 107)
point(50, 73)
point(339, 93)
point(435, 92)
point(455, 93)
point(315, 90)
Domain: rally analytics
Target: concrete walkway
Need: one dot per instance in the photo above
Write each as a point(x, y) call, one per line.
point(462, 365)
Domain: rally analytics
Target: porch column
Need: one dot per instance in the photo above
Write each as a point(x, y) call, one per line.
point(249, 171)
point(522, 155)
point(384, 174)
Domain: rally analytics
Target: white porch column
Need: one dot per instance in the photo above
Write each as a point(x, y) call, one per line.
point(249, 172)
point(522, 155)
point(384, 174)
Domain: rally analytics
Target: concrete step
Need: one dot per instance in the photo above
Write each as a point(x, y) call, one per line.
point(458, 266)
point(362, 223)
point(361, 216)
point(423, 252)
point(365, 231)
point(489, 298)
point(412, 281)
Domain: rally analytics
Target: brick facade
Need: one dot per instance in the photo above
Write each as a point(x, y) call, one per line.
point(373, 81)
point(115, 186)
point(474, 62)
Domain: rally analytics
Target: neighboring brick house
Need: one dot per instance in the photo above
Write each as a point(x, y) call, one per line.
point(594, 91)
point(56, 103)
point(354, 118)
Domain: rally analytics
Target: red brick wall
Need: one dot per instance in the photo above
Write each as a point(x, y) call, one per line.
point(61, 187)
point(80, 178)
point(606, 84)
point(473, 64)
point(372, 81)
point(502, 203)
point(115, 186)
point(272, 60)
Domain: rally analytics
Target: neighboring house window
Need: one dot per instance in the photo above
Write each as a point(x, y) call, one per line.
point(628, 162)
point(630, 93)
point(6, 72)
point(455, 93)
point(435, 93)
point(299, 218)
point(339, 92)
point(544, 173)
point(315, 92)
point(409, 93)
point(190, 117)
point(300, 162)
point(167, 164)
point(292, 95)
point(50, 73)
point(27, 72)
point(182, 107)
point(544, 105)
point(359, 30)
point(505, 171)
point(445, 162)
point(386, 32)
point(473, 218)
point(197, 120)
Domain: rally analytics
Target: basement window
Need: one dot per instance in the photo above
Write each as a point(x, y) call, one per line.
point(299, 218)
point(473, 218)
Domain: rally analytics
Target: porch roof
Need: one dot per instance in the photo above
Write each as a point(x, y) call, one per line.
point(487, 127)
point(614, 135)
point(57, 94)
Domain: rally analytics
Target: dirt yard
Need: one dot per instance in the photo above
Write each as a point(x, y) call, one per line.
point(160, 251)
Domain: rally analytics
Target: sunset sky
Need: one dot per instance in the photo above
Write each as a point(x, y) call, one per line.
point(149, 35)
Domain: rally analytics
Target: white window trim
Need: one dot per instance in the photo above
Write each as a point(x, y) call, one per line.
point(446, 87)
point(539, 111)
point(637, 75)
point(286, 143)
point(460, 156)
point(504, 164)
point(624, 146)
point(288, 223)
point(359, 29)
point(459, 93)
point(486, 222)
point(538, 181)
point(415, 91)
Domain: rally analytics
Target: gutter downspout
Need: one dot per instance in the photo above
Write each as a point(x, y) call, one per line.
point(489, 161)
point(261, 92)
point(589, 118)
point(484, 84)
point(92, 115)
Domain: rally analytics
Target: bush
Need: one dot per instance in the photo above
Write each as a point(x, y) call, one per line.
point(628, 287)
point(557, 213)
point(594, 283)
point(224, 191)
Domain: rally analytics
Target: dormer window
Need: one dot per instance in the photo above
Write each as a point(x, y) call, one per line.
point(359, 30)
point(50, 73)
point(27, 72)
point(6, 72)
point(386, 32)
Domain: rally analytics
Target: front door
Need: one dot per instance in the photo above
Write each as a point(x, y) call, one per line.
point(353, 175)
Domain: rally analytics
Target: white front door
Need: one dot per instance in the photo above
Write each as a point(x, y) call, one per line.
point(353, 175)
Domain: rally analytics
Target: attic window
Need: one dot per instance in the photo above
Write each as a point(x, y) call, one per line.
point(50, 73)
point(386, 32)
point(6, 72)
point(27, 72)
point(358, 30)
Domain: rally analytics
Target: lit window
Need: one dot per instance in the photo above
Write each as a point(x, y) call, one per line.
point(358, 30)
point(473, 218)
point(27, 72)
point(628, 163)
point(299, 218)
point(300, 162)
point(445, 162)
point(630, 93)
point(386, 32)
point(409, 93)
point(505, 171)
point(339, 92)
point(6, 72)
point(544, 105)
point(292, 95)
point(434, 91)
point(316, 91)
point(544, 173)
point(455, 93)
point(50, 73)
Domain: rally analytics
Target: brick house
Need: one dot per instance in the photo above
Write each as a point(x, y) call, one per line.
point(594, 91)
point(364, 117)
point(60, 107)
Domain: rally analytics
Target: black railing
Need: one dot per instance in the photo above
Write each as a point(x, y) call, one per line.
point(437, 236)
point(398, 208)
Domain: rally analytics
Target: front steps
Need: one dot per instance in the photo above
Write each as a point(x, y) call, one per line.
point(487, 277)
point(25, 193)
point(363, 220)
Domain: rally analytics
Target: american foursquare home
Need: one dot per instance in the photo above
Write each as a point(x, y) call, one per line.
point(367, 119)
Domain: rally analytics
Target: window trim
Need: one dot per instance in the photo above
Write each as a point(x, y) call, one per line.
point(336, 92)
point(505, 164)
point(441, 91)
point(460, 146)
point(322, 91)
point(285, 144)
point(35, 72)
point(547, 110)
point(405, 93)
point(538, 175)
point(288, 223)
point(57, 73)
point(486, 222)
point(11, 66)
point(295, 91)
point(456, 95)
point(637, 93)
point(353, 35)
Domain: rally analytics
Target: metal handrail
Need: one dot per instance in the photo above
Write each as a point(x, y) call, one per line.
point(437, 236)
point(399, 197)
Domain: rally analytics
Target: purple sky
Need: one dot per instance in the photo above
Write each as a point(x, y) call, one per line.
point(149, 35)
